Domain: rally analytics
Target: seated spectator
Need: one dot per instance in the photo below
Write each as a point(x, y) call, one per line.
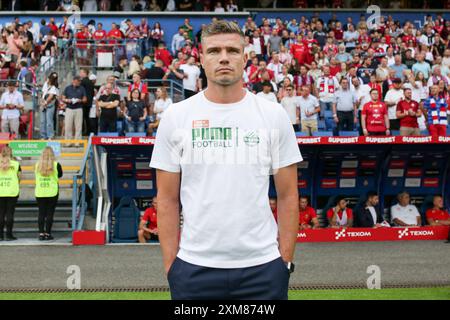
point(369, 215)
point(266, 92)
point(408, 112)
point(108, 103)
point(340, 216)
point(307, 215)
point(163, 101)
point(374, 117)
point(135, 66)
point(135, 113)
point(11, 103)
point(148, 228)
point(404, 214)
point(438, 216)
point(309, 110)
point(273, 207)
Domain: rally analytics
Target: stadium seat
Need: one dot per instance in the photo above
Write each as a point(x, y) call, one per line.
point(427, 204)
point(322, 134)
point(348, 133)
point(321, 125)
point(126, 222)
point(301, 134)
point(108, 134)
point(395, 132)
point(425, 132)
point(448, 131)
point(136, 134)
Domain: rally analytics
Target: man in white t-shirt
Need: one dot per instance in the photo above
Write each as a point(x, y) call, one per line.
point(214, 154)
point(267, 93)
point(405, 214)
point(191, 78)
point(393, 96)
point(291, 105)
point(309, 110)
point(11, 103)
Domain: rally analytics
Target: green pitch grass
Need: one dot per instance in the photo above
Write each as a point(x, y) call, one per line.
point(442, 293)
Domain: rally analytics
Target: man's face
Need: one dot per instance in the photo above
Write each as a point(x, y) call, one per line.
point(266, 89)
point(76, 83)
point(136, 78)
point(223, 58)
point(305, 91)
point(342, 204)
point(11, 88)
point(290, 91)
point(404, 199)
point(374, 95)
point(344, 84)
point(373, 201)
point(397, 85)
point(434, 90)
point(326, 71)
point(438, 202)
point(408, 94)
point(355, 82)
point(303, 203)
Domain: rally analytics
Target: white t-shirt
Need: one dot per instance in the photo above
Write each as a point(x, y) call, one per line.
point(161, 106)
point(269, 96)
point(309, 105)
point(393, 96)
point(362, 95)
point(290, 104)
point(193, 73)
point(406, 214)
point(226, 153)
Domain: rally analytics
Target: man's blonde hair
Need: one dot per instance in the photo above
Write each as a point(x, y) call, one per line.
point(221, 27)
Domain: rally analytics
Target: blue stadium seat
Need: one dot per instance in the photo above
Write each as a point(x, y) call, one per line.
point(126, 224)
point(328, 114)
point(348, 133)
point(301, 134)
point(321, 125)
point(425, 132)
point(108, 134)
point(322, 134)
point(448, 130)
point(395, 132)
point(136, 134)
point(120, 125)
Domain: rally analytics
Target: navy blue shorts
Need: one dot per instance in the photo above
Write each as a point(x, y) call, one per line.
point(268, 281)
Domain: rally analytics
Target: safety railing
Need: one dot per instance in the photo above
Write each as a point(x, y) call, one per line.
point(174, 88)
point(83, 179)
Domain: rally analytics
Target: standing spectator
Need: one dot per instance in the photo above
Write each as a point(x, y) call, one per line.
point(291, 105)
point(161, 53)
point(340, 216)
point(435, 108)
point(9, 192)
point(163, 101)
point(407, 112)
point(90, 6)
point(309, 110)
point(369, 216)
point(275, 65)
point(307, 215)
point(119, 69)
point(266, 93)
point(405, 214)
point(156, 74)
point(438, 216)
point(350, 38)
point(138, 84)
point(274, 42)
point(148, 228)
point(374, 117)
point(47, 172)
point(188, 28)
point(74, 97)
point(11, 103)
point(177, 41)
point(421, 66)
point(108, 103)
point(50, 94)
point(157, 34)
point(399, 67)
point(191, 81)
point(88, 85)
point(135, 113)
point(326, 87)
point(345, 108)
point(392, 98)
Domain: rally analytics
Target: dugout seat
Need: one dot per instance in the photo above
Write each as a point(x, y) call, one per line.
point(427, 204)
point(126, 224)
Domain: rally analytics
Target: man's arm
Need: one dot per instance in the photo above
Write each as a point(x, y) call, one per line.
point(168, 215)
point(399, 222)
point(288, 220)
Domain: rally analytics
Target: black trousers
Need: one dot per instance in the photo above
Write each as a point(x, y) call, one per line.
point(394, 124)
point(47, 208)
point(7, 208)
point(108, 125)
point(346, 122)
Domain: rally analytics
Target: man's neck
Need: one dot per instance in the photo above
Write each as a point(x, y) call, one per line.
point(225, 94)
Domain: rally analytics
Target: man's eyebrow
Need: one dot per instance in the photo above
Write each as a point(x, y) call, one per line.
point(219, 48)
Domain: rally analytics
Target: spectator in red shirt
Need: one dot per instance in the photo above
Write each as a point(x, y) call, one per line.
point(138, 84)
point(161, 53)
point(408, 111)
point(273, 207)
point(148, 228)
point(374, 117)
point(307, 215)
point(299, 50)
point(437, 216)
point(340, 216)
point(99, 37)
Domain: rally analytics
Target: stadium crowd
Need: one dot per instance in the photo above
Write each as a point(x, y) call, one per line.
point(338, 77)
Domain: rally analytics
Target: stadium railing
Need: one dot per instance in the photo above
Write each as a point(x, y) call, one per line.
point(83, 179)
